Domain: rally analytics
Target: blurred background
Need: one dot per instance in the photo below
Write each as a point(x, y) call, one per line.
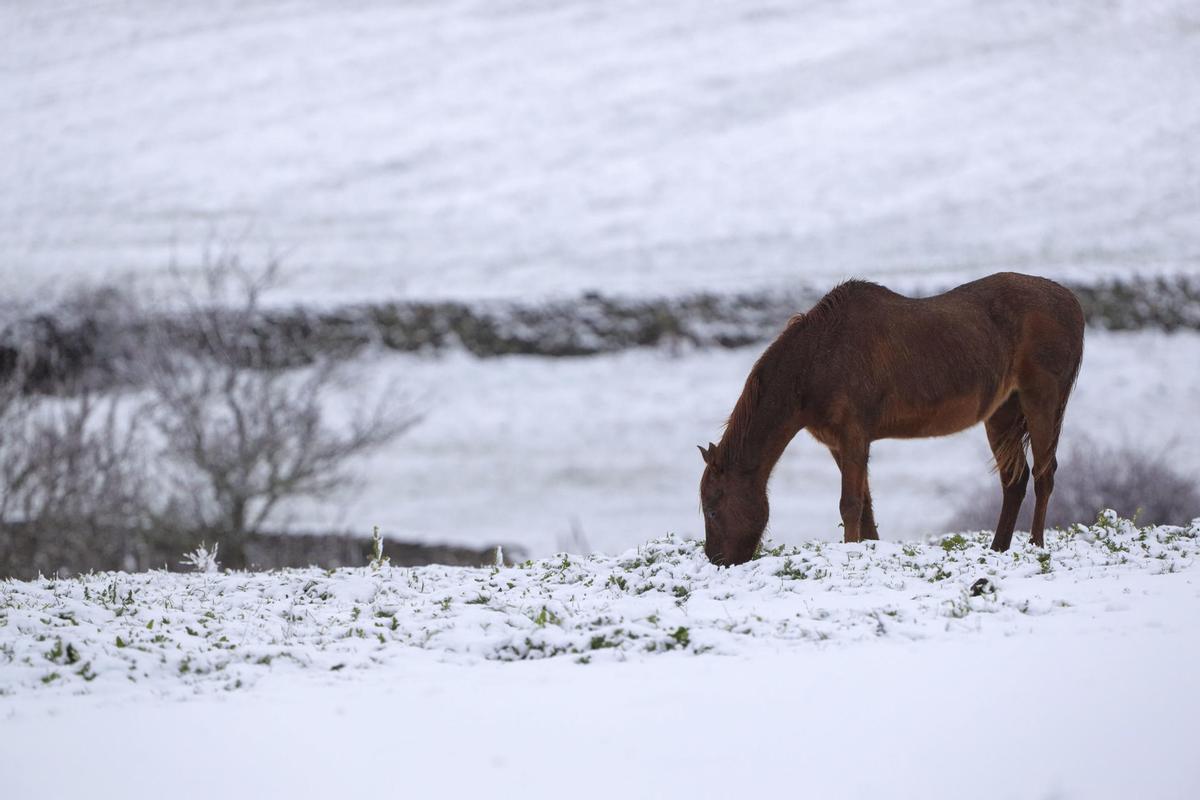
point(504, 264)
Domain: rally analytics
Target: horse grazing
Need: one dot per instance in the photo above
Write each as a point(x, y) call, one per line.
point(867, 363)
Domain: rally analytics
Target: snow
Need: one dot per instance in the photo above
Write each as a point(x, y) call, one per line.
point(600, 452)
point(480, 148)
point(518, 149)
point(197, 634)
point(104, 632)
point(877, 671)
point(1064, 716)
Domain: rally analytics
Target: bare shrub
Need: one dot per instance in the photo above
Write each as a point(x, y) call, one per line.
point(1090, 479)
point(72, 481)
point(219, 432)
point(240, 434)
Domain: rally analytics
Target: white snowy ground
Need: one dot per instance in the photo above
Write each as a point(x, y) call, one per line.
point(488, 147)
point(520, 450)
point(826, 670)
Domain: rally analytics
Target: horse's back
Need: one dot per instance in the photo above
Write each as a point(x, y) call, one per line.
point(953, 356)
point(978, 325)
point(1043, 318)
point(1007, 295)
point(1011, 297)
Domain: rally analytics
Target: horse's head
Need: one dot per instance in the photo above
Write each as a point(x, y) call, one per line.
point(735, 510)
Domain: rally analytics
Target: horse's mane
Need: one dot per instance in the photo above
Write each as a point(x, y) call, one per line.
point(831, 302)
point(736, 427)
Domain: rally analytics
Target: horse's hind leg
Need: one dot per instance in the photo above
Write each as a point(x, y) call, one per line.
point(1042, 411)
point(1006, 435)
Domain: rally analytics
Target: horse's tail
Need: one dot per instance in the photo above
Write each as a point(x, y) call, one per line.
point(1010, 451)
point(1067, 387)
point(1061, 410)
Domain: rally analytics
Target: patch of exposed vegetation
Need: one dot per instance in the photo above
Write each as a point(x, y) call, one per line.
point(224, 630)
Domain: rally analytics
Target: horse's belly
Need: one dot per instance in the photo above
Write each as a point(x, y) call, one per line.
point(947, 417)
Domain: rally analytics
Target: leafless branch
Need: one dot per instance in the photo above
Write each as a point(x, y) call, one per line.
point(240, 434)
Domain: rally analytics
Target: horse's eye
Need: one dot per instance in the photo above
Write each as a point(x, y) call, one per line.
point(710, 513)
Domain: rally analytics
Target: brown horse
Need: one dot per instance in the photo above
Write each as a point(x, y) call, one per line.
point(867, 363)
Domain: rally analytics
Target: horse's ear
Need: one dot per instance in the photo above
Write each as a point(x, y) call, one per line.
point(703, 452)
point(709, 455)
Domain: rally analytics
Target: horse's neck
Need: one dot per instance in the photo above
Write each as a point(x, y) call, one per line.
point(766, 444)
point(758, 442)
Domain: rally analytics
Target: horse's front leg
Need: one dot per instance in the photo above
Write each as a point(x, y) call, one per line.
point(853, 462)
point(867, 528)
point(869, 531)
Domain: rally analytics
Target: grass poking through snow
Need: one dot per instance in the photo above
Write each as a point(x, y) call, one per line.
point(200, 632)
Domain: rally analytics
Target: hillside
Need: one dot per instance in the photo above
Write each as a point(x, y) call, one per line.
point(504, 149)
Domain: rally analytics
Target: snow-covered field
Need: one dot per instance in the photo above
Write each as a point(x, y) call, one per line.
point(480, 147)
point(518, 148)
point(525, 450)
point(936, 669)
